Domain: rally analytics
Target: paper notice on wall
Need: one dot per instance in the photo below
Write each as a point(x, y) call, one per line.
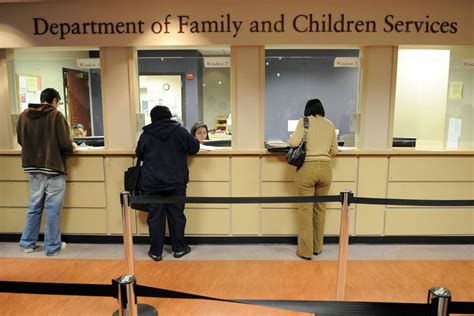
point(455, 90)
point(454, 132)
point(31, 84)
point(292, 125)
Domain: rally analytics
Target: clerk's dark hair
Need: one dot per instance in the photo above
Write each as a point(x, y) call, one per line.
point(314, 107)
point(160, 112)
point(48, 95)
point(197, 126)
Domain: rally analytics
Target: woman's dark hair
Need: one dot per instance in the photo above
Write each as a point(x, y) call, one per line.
point(197, 126)
point(160, 112)
point(314, 107)
point(48, 95)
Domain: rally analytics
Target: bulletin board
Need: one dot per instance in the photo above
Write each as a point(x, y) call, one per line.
point(29, 90)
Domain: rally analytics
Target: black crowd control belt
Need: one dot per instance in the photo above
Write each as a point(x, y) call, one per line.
point(318, 307)
point(296, 199)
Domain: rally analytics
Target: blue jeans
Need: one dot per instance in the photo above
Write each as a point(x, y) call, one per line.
point(46, 191)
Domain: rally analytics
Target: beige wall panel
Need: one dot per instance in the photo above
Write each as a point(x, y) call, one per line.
point(116, 98)
point(279, 222)
point(283, 222)
point(245, 219)
point(114, 169)
point(245, 176)
point(209, 168)
point(142, 226)
point(375, 96)
point(344, 169)
point(12, 219)
point(289, 189)
point(455, 221)
point(247, 76)
point(431, 169)
point(431, 190)
point(11, 169)
point(372, 182)
point(14, 194)
point(73, 221)
point(275, 168)
point(209, 189)
point(245, 182)
point(78, 194)
point(85, 194)
point(83, 221)
point(207, 222)
point(81, 168)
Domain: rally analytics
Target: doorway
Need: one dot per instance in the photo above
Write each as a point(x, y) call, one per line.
point(77, 99)
point(164, 90)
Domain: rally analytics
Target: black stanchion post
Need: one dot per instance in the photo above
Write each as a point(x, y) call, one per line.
point(343, 246)
point(126, 283)
point(439, 298)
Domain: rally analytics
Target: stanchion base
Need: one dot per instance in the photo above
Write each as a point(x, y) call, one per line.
point(143, 310)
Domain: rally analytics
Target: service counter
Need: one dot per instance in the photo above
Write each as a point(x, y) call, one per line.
point(95, 179)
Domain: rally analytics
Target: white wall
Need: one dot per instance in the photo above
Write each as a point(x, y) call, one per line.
point(45, 63)
point(421, 93)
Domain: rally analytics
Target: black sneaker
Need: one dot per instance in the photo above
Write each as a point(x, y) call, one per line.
point(154, 257)
point(182, 253)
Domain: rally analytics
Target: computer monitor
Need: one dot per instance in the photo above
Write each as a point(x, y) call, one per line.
point(404, 142)
point(96, 141)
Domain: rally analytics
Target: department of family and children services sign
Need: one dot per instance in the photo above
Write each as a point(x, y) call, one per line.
point(247, 22)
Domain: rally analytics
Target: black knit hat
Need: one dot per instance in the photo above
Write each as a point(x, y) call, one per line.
point(160, 112)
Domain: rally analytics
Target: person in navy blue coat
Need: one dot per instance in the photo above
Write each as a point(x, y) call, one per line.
point(163, 147)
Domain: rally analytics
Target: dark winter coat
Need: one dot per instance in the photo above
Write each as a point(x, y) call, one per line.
point(163, 147)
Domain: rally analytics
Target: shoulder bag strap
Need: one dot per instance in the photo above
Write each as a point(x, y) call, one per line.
point(306, 126)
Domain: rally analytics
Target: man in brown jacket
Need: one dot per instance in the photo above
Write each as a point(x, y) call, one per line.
point(44, 135)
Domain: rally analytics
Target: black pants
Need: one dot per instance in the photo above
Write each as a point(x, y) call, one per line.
point(157, 214)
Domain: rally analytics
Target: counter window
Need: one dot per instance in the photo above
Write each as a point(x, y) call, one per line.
point(294, 76)
point(434, 101)
point(193, 84)
point(75, 74)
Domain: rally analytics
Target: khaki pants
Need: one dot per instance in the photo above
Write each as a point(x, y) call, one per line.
point(313, 178)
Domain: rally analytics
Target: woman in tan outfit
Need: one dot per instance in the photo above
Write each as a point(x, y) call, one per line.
point(314, 177)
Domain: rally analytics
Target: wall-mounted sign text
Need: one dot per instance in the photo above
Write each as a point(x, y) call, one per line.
point(226, 23)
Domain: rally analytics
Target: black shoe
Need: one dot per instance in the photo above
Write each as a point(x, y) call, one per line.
point(316, 253)
point(182, 253)
point(303, 257)
point(154, 257)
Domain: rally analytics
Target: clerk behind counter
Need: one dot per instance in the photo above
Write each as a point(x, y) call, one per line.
point(80, 137)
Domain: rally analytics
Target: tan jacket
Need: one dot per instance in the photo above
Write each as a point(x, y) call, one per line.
point(321, 143)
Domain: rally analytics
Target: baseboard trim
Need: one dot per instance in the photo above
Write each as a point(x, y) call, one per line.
point(228, 240)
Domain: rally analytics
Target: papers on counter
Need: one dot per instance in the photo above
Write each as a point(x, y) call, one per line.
point(82, 148)
point(206, 147)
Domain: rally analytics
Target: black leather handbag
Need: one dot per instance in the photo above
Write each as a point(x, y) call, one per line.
point(131, 181)
point(296, 156)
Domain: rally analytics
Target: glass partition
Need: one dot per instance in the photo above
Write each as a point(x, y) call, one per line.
point(292, 77)
point(194, 84)
point(434, 101)
point(75, 74)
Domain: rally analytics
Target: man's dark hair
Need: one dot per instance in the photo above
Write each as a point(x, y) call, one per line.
point(48, 95)
point(160, 112)
point(314, 107)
